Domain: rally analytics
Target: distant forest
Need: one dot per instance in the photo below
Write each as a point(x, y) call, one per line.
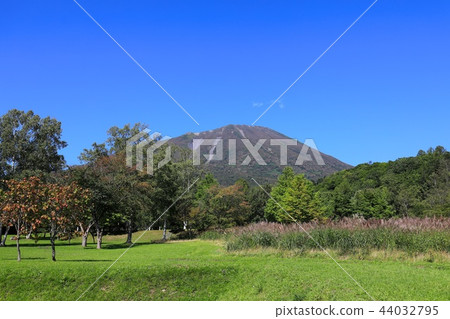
point(415, 186)
point(104, 195)
point(411, 186)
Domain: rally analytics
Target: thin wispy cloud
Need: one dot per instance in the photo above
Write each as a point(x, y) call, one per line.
point(260, 104)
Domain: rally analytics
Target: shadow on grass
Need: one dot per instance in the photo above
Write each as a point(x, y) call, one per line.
point(85, 260)
point(26, 258)
point(105, 245)
point(41, 244)
point(124, 245)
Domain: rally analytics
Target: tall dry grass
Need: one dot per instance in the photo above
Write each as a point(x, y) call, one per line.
point(405, 223)
point(412, 235)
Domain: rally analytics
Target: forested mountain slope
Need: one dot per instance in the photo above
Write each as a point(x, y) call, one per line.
point(411, 186)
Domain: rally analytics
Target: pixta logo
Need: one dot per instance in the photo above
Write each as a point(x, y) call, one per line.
point(146, 143)
point(142, 147)
point(216, 151)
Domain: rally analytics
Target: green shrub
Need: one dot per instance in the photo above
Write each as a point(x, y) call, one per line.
point(188, 234)
point(211, 235)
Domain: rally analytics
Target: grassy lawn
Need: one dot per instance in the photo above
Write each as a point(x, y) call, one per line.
point(203, 270)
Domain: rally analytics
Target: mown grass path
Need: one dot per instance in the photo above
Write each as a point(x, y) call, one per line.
point(203, 270)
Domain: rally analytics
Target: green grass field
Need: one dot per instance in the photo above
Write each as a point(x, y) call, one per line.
point(204, 270)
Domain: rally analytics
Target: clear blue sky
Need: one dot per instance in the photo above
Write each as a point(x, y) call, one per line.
point(382, 92)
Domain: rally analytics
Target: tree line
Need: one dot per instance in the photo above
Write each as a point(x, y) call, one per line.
point(412, 186)
point(40, 194)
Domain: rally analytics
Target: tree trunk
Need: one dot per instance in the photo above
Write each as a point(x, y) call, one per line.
point(19, 256)
point(99, 237)
point(130, 233)
point(165, 230)
point(85, 235)
point(84, 238)
point(52, 241)
point(3, 243)
point(1, 231)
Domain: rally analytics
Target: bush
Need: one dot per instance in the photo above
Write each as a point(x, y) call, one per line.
point(189, 234)
point(211, 235)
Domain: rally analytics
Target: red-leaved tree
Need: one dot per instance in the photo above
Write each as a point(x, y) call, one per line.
point(20, 205)
point(31, 205)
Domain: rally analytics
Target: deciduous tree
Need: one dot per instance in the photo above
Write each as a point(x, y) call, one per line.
point(272, 209)
point(29, 143)
point(20, 204)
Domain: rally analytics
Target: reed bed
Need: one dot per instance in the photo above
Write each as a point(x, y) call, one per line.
point(349, 235)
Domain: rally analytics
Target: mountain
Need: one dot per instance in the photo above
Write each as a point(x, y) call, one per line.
point(270, 154)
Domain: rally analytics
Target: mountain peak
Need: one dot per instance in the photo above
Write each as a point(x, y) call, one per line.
point(246, 166)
